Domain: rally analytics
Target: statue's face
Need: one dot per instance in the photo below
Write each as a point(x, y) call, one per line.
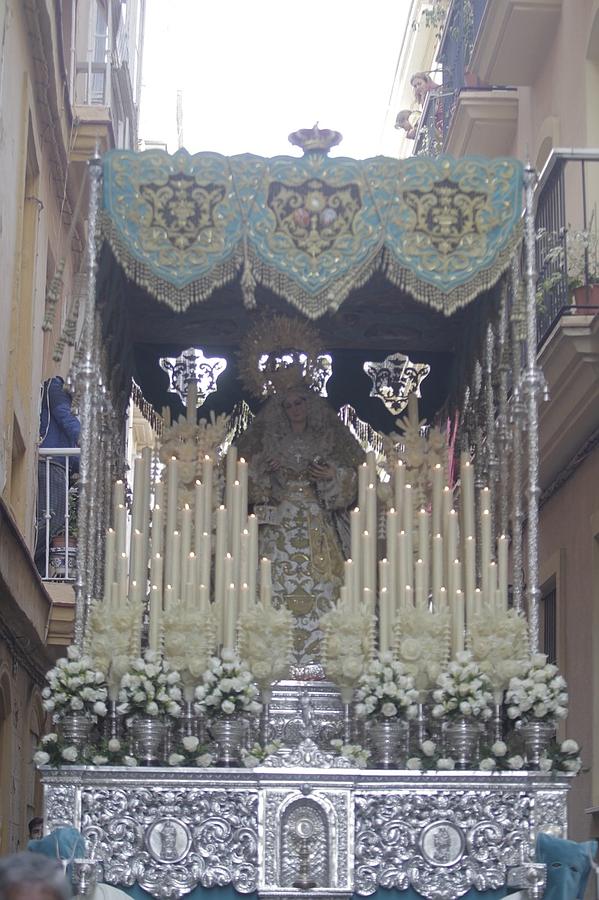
point(296, 410)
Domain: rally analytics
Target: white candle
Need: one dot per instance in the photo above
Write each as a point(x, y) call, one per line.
point(141, 565)
point(253, 557)
point(485, 553)
point(242, 477)
point(171, 517)
point(198, 517)
point(244, 556)
point(121, 529)
point(169, 597)
point(109, 556)
point(384, 630)
point(457, 622)
point(485, 500)
point(118, 501)
point(372, 529)
point(146, 455)
point(419, 584)
point(437, 568)
point(265, 581)
point(157, 520)
point(368, 561)
point(355, 520)
point(155, 618)
point(122, 578)
point(398, 487)
point(351, 593)
point(437, 506)
point(502, 556)
point(408, 528)
point(492, 583)
point(186, 518)
point(371, 467)
point(392, 520)
point(230, 625)
point(204, 599)
point(409, 595)
point(207, 466)
point(244, 597)
point(467, 496)
point(446, 502)
point(402, 570)
point(176, 574)
point(470, 576)
point(231, 471)
point(442, 598)
point(451, 544)
point(219, 554)
point(236, 525)
point(423, 550)
point(205, 560)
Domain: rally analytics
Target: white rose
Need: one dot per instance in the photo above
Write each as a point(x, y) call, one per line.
point(389, 709)
point(48, 705)
point(190, 742)
point(69, 754)
point(250, 761)
point(515, 762)
point(487, 764)
point(445, 763)
point(545, 764)
point(100, 708)
point(41, 758)
point(569, 746)
point(466, 708)
point(499, 748)
point(428, 748)
point(175, 759)
point(76, 704)
point(572, 765)
point(129, 760)
point(152, 708)
point(114, 745)
point(438, 711)
point(73, 652)
point(99, 760)
point(204, 760)
point(414, 763)
point(50, 738)
point(227, 706)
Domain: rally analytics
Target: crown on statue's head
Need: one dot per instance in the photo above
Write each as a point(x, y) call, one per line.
point(315, 139)
point(280, 354)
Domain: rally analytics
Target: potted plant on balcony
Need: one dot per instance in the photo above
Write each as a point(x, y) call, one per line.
point(571, 255)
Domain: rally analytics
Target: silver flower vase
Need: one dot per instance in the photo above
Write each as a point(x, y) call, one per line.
point(462, 737)
point(536, 737)
point(228, 736)
point(75, 729)
point(148, 736)
point(388, 741)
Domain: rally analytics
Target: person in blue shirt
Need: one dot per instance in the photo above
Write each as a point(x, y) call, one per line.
point(59, 427)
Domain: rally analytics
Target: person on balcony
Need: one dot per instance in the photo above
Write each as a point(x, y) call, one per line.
point(408, 119)
point(59, 427)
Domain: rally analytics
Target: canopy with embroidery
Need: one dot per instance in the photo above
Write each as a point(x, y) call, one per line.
point(311, 229)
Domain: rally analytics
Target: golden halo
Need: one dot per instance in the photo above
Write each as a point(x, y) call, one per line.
point(279, 353)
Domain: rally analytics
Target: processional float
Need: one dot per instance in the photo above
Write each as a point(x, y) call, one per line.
point(401, 768)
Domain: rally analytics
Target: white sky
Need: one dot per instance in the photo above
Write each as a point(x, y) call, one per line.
point(252, 71)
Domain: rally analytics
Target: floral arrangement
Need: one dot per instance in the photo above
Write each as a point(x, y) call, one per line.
point(429, 757)
point(257, 753)
point(540, 692)
point(463, 690)
point(189, 640)
point(150, 687)
point(75, 686)
point(419, 452)
point(266, 642)
point(386, 691)
point(189, 442)
point(191, 753)
point(53, 752)
point(498, 641)
point(562, 757)
point(228, 688)
point(356, 754)
point(348, 643)
point(422, 643)
point(113, 638)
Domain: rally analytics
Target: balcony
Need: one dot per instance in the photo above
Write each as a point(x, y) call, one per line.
point(466, 115)
point(567, 238)
point(513, 39)
point(56, 547)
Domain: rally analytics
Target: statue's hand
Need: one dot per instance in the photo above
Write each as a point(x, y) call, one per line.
point(272, 464)
point(321, 471)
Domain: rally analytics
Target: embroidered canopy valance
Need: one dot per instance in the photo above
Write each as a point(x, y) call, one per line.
point(312, 228)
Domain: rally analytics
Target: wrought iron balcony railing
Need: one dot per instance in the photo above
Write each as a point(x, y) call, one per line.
point(56, 541)
point(566, 229)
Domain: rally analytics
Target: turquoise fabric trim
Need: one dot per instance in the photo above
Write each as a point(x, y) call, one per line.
point(311, 228)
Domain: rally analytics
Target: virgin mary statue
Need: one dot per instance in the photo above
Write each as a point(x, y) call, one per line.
point(302, 468)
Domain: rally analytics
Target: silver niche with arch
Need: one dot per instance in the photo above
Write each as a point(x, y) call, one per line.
point(307, 831)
